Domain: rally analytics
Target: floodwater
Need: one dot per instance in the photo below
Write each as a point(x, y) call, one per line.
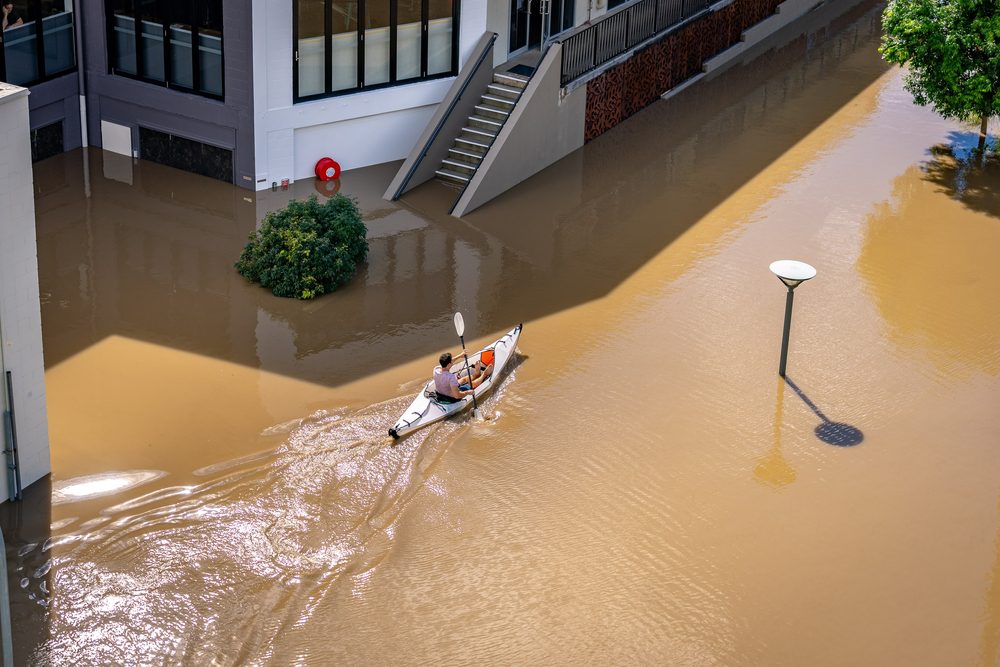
point(647, 491)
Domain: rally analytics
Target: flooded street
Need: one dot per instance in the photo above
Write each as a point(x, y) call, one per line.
point(647, 490)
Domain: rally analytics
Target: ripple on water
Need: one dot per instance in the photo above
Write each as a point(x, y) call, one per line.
point(188, 573)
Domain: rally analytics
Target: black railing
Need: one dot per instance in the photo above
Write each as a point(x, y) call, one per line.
point(616, 32)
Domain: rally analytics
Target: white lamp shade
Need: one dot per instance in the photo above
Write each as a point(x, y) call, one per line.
point(792, 272)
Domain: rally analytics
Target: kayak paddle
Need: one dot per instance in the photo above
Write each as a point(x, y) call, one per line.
point(460, 330)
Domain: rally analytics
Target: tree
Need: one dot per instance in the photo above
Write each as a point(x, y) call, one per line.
point(307, 248)
point(952, 51)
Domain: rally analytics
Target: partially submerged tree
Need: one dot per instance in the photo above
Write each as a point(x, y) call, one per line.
point(952, 51)
point(307, 248)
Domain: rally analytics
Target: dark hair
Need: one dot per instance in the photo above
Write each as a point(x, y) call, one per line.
point(445, 359)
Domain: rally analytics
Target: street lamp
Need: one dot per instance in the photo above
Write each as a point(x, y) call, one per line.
point(792, 274)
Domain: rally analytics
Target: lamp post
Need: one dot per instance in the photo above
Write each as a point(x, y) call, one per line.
point(792, 274)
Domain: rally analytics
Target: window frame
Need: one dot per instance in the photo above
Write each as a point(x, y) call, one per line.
point(165, 10)
point(34, 16)
point(456, 11)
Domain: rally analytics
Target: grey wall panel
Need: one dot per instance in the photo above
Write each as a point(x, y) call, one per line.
point(58, 99)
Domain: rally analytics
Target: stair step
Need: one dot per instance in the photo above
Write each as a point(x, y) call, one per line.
point(489, 122)
point(472, 142)
point(488, 109)
point(454, 176)
point(468, 154)
point(479, 132)
point(493, 99)
point(508, 79)
point(460, 167)
point(500, 88)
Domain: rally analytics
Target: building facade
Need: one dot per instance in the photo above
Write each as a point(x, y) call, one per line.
point(254, 92)
point(24, 429)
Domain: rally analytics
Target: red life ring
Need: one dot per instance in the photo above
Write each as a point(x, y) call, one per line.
point(327, 188)
point(327, 169)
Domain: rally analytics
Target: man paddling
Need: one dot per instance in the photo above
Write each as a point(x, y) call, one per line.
point(451, 387)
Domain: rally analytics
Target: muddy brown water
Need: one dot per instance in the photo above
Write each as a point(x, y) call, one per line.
point(646, 491)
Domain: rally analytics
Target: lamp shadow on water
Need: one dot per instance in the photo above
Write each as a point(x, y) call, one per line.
point(833, 433)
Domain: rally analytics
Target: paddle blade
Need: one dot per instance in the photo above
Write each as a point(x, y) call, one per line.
point(459, 324)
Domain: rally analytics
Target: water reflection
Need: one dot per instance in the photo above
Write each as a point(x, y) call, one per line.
point(287, 531)
point(142, 251)
point(927, 259)
point(772, 468)
point(103, 484)
point(965, 174)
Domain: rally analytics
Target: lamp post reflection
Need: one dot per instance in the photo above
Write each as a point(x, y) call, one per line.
point(772, 468)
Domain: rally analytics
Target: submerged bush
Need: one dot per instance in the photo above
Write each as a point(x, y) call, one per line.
point(306, 249)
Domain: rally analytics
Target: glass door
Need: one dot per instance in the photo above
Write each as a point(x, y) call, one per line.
point(525, 26)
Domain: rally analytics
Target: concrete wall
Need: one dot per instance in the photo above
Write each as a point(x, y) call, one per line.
point(129, 102)
point(356, 130)
point(544, 127)
point(20, 313)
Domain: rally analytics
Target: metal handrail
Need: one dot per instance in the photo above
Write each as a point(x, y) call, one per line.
point(621, 30)
point(10, 448)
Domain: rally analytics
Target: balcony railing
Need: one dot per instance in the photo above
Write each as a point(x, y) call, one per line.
point(619, 31)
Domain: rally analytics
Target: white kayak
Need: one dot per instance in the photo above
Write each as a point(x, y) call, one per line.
point(427, 409)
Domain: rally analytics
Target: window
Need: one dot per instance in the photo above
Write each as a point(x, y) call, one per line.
point(343, 46)
point(561, 16)
point(173, 43)
point(37, 44)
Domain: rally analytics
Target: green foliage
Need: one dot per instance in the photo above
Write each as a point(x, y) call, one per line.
point(952, 51)
point(306, 249)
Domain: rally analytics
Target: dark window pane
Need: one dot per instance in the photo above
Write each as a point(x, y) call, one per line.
point(376, 42)
point(209, 18)
point(408, 33)
point(312, 76)
point(123, 38)
point(344, 45)
point(568, 14)
point(20, 46)
point(57, 35)
point(439, 41)
point(152, 40)
point(181, 55)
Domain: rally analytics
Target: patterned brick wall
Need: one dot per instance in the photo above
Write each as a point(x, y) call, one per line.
point(638, 82)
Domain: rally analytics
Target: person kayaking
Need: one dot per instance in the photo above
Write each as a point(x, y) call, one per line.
point(451, 387)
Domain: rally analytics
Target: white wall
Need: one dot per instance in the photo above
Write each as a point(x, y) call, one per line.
point(356, 130)
point(20, 311)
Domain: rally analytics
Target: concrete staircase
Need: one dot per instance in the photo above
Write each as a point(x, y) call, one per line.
point(484, 125)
